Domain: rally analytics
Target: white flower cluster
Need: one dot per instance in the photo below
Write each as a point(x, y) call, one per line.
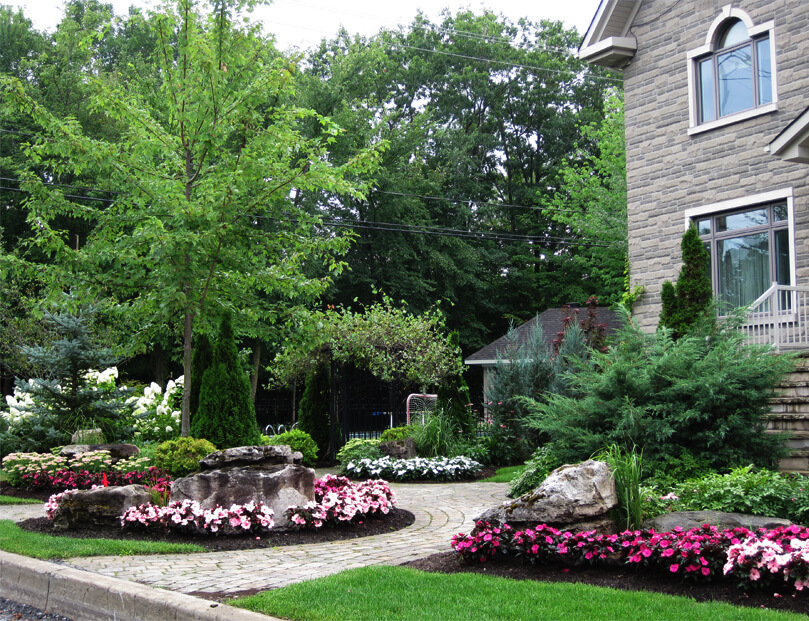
point(157, 417)
point(437, 469)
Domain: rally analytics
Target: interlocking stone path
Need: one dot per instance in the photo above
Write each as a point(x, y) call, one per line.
point(441, 510)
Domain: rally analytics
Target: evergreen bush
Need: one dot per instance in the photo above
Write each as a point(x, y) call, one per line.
point(181, 457)
point(702, 399)
point(313, 413)
point(201, 360)
point(226, 414)
point(689, 301)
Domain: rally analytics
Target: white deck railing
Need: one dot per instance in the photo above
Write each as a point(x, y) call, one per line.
point(780, 317)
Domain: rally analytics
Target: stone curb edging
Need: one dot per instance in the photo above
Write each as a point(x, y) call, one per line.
point(86, 596)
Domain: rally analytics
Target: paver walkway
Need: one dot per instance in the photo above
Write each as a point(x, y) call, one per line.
point(441, 510)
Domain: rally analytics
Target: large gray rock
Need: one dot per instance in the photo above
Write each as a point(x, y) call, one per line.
point(399, 449)
point(252, 456)
point(694, 519)
point(286, 486)
point(571, 495)
point(116, 451)
point(98, 507)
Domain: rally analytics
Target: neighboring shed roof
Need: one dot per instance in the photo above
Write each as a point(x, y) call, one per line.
point(551, 321)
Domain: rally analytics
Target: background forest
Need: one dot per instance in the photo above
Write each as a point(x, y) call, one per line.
point(473, 162)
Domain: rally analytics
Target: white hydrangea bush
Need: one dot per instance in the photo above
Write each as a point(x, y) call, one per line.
point(157, 412)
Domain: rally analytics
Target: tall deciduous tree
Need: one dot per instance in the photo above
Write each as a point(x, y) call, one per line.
point(204, 166)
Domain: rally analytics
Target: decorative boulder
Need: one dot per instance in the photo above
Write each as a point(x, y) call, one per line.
point(98, 507)
point(271, 475)
point(251, 456)
point(399, 449)
point(87, 436)
point(694, 519)
point(117, 451)
point(572, 497)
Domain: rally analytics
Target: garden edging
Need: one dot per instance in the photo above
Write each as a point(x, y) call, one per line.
point(84, 595)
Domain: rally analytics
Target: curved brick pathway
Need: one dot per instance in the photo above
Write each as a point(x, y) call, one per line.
point(441, 510)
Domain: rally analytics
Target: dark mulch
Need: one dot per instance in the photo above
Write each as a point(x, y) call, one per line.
point(622, 578)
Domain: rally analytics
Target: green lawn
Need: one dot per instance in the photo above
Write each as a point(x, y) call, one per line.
point(402, 594)
point(14, 539)
point(504, 475)
point(11, 500)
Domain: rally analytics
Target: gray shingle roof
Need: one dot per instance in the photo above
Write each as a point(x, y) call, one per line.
point(551, 321)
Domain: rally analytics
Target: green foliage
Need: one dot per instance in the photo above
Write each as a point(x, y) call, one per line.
point(389, 341)
point(689, 301)
point(438, 436)
point(314, 411)
point(627, 471)
point(200, 362)
point(536, 470)
point(453, 396)
point(357, 449)
point(703, 399)
point(181, 457)
point(747, 490)
point(298, 440)
point(226, 414)
point(397, 433)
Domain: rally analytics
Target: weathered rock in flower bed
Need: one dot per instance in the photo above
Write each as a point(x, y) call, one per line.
point(251, 456)
point(98, 507)
point(399, 449)
point(573, 497)
point(694, 519)
point(116, 451)
point(268, 474)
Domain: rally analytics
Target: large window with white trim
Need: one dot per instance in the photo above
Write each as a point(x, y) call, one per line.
point(750, 249)
point(732, 76)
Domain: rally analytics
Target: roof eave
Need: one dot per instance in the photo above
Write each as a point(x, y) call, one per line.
point(792, 144)
point(613, 52)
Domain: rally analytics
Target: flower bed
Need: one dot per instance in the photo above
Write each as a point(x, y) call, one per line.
point(338, 500)
point(756, 558)
point(419, 468)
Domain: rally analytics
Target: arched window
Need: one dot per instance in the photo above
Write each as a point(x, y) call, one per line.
point(733, 73)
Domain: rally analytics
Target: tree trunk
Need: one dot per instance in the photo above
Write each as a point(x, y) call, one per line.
point(254, 376)
point(185, 418)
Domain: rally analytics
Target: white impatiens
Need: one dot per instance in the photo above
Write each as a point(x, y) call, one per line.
point(436, 469)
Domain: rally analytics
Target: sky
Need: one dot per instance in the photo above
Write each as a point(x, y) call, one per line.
point(303, 23)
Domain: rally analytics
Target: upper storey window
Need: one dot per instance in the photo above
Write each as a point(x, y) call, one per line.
point(733, 74)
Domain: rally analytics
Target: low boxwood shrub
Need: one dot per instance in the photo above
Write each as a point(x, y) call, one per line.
point(357, 449)
point(297, 440)
point(181, 457)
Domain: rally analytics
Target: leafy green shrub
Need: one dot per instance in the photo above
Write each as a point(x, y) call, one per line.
point(181, 457)
point(748, 490)
point(476, 449)
point(397, 433)
point(357, 449)
point(704, 397)
point(298, 441)
point(313, 413)
point(541, 464)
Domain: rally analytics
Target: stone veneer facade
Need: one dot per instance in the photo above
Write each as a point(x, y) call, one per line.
point(669, 171)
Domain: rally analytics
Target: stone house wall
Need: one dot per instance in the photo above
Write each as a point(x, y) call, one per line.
point(669, 171)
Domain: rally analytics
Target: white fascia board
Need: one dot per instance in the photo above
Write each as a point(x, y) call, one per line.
point(792, 144)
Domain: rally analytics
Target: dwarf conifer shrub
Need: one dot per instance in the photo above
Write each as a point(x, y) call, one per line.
point(226, 415)
point(297, 440)
point(702, 399)
point(181, 457)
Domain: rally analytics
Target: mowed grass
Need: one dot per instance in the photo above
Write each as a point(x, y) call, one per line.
point(402, 594)
point(16, 540)
point(504, 475)
point(11, 500)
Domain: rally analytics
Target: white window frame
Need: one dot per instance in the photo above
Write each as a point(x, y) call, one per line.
point(736, 204)
point(695, 55)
